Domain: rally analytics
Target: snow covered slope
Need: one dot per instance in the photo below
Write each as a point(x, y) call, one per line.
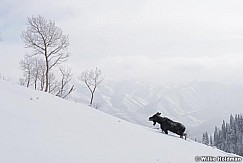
point(37, 127)
point(199, 105)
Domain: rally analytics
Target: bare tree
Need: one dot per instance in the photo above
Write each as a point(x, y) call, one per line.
point(38, 72)
point(32, 68)
point(48, 40)
point(92, 78)
point(53, 83)
point(65, 89)
point(41, 76)
point(34, 75)
point(26, 65)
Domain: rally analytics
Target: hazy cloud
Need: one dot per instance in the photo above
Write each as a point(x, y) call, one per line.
point(140, 39)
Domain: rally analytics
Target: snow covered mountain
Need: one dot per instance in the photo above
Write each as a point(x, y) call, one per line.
point(199, 105)
point(39, 127)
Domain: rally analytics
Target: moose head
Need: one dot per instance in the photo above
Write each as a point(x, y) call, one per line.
point(155, 117)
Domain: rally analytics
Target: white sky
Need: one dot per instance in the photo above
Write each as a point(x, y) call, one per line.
point(147, 40)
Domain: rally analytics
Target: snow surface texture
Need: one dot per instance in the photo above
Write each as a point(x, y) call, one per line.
point(37, 127)
point(200, 106)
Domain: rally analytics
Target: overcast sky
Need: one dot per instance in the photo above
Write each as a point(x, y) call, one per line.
point(147, 40)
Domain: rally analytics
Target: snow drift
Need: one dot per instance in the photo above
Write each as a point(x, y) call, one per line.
point(37, 127)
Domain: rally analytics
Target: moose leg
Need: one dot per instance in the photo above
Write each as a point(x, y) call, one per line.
point(185, 135)
point(162, 128)
point(154, 123)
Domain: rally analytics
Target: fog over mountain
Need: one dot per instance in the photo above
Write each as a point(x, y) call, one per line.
point(199, 105)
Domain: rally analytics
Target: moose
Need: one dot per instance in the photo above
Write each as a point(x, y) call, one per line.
point(168, 125)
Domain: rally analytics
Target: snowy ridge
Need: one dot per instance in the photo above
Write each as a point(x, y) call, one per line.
point(38, 127)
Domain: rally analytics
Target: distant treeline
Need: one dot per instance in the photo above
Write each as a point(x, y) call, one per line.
point(229, 137)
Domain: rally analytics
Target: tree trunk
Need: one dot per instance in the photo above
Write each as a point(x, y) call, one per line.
point(47, 74)
point(92, 97)
point(42, 81)
point(36, 78)
point(35, 84)
point(28, 80)
point(28, 83)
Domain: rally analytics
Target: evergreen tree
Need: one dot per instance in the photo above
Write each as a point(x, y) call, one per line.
point(210, 140)
point(230, 137)
point(215, 137)
point(205, 139)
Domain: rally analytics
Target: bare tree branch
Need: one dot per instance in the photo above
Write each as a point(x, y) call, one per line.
point(47, 40)
point(91, 78)
point(64, 88)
